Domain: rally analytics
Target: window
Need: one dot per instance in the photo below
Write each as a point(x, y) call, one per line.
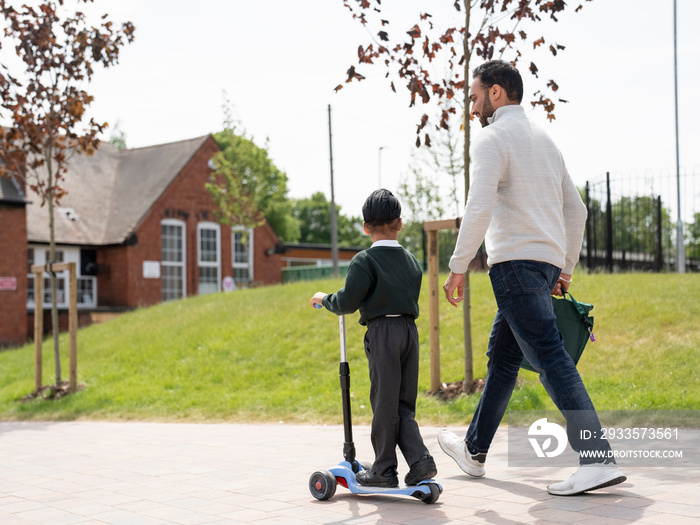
point(59, 256)
point(42, 256)
point(242, 245)
point(87, 287)
point(172, 241)
point(61, 290)
point(209, 259)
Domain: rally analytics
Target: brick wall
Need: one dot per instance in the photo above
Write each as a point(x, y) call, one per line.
point(112, 276)
point(268, 268)
point(13, 263)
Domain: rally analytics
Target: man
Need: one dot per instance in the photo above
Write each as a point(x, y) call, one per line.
point(524, 203)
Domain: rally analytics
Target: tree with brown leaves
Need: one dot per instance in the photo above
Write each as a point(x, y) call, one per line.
point(47, 56)
point(491, 29)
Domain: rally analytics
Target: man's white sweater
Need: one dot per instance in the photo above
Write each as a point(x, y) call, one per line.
point(521, 198)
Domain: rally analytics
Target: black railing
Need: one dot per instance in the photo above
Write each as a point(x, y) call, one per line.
point(630, 227)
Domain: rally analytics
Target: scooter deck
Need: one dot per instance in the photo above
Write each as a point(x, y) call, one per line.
point(344, 471)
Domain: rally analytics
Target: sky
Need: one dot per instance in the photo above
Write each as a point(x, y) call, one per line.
point(279, 61)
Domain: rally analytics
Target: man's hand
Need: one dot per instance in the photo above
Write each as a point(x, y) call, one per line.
point(454, 281)
point(562, 284)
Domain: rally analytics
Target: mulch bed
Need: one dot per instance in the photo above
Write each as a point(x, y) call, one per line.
point(450, 391)
point(54, 392)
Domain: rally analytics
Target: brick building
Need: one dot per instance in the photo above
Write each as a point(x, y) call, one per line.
point(139, 225)
point(13, 263)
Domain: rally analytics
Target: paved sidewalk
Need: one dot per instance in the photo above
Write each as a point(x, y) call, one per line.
point(153, 473)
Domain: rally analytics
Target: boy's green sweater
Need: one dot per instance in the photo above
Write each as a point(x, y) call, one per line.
point(383, 280)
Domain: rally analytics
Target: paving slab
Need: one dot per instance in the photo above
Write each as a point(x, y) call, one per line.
point(139, 473)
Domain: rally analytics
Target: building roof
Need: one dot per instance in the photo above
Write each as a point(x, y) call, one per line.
point(11, 192)
point(110, 193)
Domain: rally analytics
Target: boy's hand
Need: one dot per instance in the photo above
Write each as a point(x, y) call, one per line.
point(455, 281)
point(317, 299)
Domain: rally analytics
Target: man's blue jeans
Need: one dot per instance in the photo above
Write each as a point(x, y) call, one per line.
point(525, 324)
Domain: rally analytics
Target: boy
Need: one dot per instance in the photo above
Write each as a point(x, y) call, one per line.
point(384, 283)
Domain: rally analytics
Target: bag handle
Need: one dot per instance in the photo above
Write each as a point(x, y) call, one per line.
point(582, 312)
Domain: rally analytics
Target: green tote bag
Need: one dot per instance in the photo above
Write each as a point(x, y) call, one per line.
point(575, 325)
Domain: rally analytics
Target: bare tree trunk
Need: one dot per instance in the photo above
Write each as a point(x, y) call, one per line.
point(466, 308)
point(54, 284)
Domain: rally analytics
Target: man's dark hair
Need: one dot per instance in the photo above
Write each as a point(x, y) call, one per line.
point(501, 73)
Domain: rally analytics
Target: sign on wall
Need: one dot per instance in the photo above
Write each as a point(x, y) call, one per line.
point(151, 269)
point(8, 283)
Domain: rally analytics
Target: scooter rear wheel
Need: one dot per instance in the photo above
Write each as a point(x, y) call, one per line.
point(322, 485)
point(434, 494)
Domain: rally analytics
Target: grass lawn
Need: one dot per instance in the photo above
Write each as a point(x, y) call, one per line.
point(265, 355)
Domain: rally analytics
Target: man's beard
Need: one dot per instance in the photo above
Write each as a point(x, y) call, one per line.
point(486, 112)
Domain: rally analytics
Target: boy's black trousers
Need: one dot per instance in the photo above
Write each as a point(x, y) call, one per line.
point(391, 346)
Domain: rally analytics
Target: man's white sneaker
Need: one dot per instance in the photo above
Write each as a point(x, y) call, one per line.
point(456, 448)
point(588, 477)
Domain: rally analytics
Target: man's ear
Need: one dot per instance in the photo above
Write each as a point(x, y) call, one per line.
point(365, 228)
point(400, 224)
point(496, 91)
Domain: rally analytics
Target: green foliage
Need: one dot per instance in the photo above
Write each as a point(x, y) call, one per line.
point(118, 137)
point(635, 223)
point(692, 238)
point(265, 355)
point(246, 185)
point(314, 218)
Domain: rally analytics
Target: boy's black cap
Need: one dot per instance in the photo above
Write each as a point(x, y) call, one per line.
point(381, 206)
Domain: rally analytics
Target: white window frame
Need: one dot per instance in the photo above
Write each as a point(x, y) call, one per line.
point(208, 264)
point(41, 254)
point(93, 284)
point(66, 254)
point(183, 264)
point(250, 264)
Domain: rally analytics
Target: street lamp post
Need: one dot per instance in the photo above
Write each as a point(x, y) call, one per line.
point(680, 241)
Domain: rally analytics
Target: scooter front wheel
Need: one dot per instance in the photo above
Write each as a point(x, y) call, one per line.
point(322, 485)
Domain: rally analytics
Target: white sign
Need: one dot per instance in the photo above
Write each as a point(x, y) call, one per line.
point(151, 269)
point(8, 283)
point(228, 285)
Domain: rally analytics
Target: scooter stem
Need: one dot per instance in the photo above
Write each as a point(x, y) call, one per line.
point(349, 445)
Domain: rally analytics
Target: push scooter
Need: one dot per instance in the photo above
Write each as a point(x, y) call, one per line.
point(323, 483)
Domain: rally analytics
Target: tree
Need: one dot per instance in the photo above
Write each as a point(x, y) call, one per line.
point(118, 137)
point(635, 224)
point(420, 202)
point(246, 185)
point(313, 216)
point(446, 155)
point(693, 238)
point(491, 27)
point(44, 103)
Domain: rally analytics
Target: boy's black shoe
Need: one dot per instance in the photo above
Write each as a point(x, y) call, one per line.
point(422, 469)
point(368, 478)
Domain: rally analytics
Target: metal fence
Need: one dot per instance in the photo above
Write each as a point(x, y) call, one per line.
point(632, 222)
point(311, 272)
